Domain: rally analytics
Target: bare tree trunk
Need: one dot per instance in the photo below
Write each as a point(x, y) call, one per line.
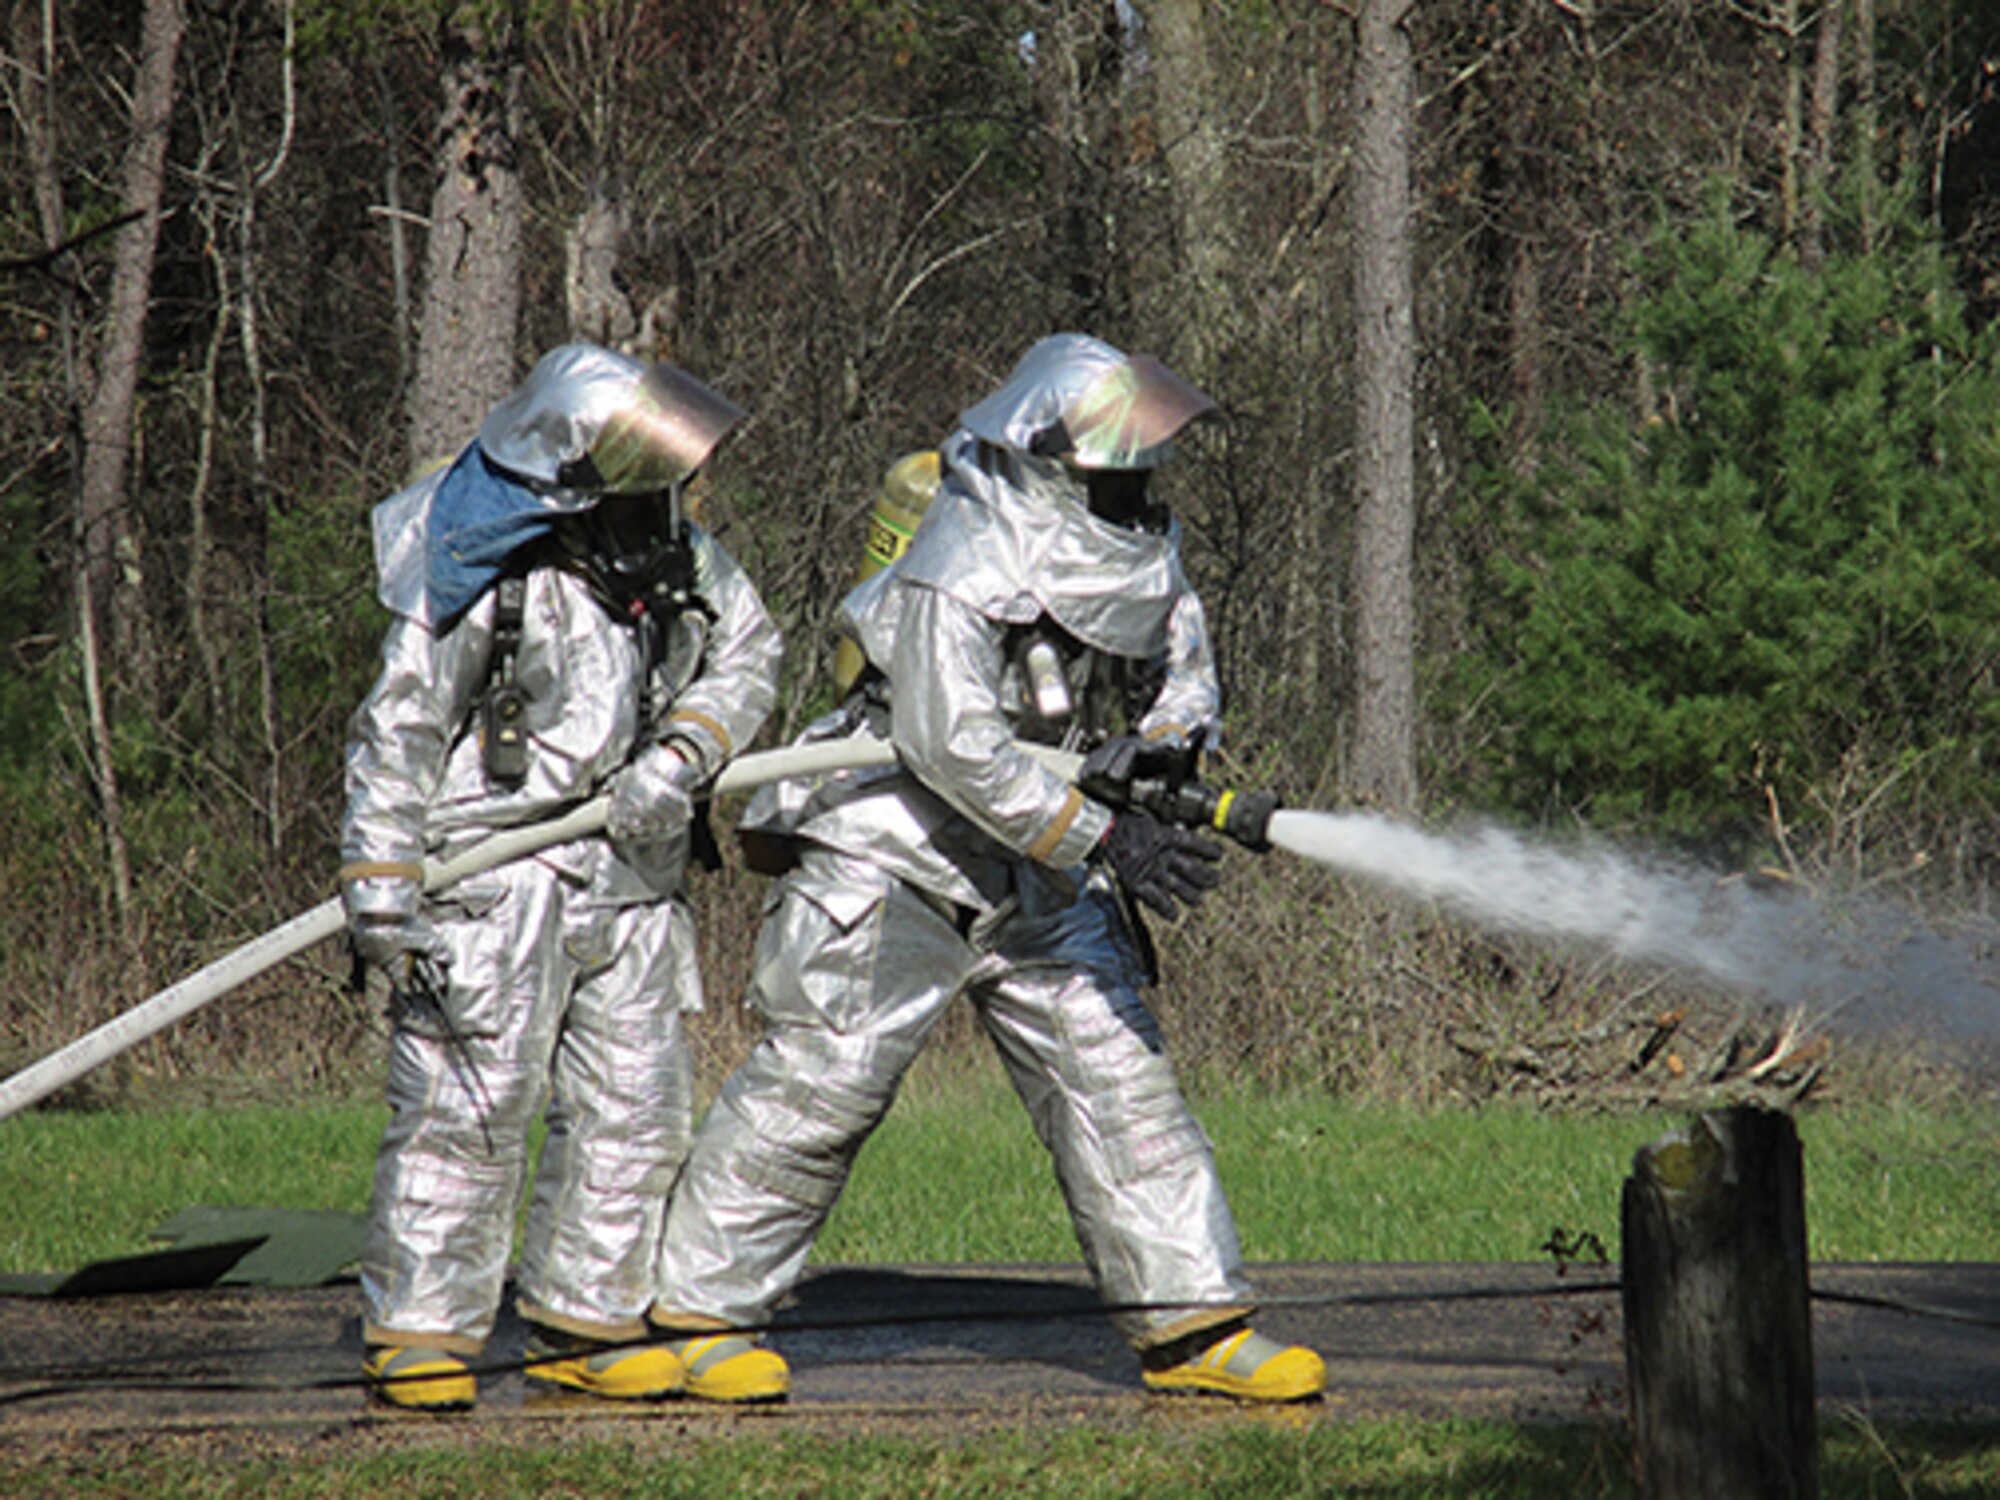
point(102, 381)
point(1793, 126)
point(200, 538)
point(34, 36)
point(1312, 606)
point(1524, 350)
point(1383, 761)
point(109, 539)
point(1865, 122)
point(1187, 109)
point(397, 221)
point(472, 292)
point(37, 113)
point(597, 55)
point(1821, 118)
point(599, 309)
point(1524, 203)
point(250, 325)
point(1076, 63)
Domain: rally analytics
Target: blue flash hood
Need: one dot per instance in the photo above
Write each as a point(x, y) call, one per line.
point(442, 541)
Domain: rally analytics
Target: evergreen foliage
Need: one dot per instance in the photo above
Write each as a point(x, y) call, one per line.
point(1779, 582)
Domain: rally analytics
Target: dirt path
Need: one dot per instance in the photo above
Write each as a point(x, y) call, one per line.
point(960, 1349)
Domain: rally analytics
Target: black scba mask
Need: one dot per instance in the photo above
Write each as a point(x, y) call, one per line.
point(1123, 497)
point(634, 549)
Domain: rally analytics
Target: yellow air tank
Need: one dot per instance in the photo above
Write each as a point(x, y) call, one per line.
point(906, 492)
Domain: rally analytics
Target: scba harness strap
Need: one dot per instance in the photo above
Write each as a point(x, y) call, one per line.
point(648, 599)
point(506, 707)
point(1071, 694)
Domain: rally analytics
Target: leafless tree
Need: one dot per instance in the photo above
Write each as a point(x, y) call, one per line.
point(1382, 766)
point(1191, 141)
point(103, 376)
point(466, 345)
point(1821, 118)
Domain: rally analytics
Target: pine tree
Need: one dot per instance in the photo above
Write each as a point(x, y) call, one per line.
point(1783, 581)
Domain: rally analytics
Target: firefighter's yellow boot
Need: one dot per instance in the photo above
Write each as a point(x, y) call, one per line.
point(1243, 1364)
point(732, 1367)
point(614, 1372)
point(419, 1379)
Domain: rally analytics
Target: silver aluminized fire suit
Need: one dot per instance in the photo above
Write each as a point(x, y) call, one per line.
point(565, 974)
point(966, 871)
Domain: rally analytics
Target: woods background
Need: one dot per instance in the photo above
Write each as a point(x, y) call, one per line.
point(1610, 441)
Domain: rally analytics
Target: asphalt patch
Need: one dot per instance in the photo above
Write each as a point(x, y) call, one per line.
point(973, 1348)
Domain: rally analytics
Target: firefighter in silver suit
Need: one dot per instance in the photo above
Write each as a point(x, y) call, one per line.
point(561, 629)
point(1041, 600)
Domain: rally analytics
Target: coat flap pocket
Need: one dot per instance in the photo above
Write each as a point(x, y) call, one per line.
point(847, 906)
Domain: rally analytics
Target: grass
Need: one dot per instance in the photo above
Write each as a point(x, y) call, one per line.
point(1258, 1455)
point(956, 1175)
point(87, 1186)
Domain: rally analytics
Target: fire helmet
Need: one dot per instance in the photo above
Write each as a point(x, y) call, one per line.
point(1076, 398)
point(594, 421)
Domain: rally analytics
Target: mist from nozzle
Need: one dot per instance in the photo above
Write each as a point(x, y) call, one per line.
point(1853, 960)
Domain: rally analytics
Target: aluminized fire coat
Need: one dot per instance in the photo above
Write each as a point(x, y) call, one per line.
point(567, 972)
point(966, 871)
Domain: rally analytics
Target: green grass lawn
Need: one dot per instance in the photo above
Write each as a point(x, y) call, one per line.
point(956, 1175)
point(1225, 1453)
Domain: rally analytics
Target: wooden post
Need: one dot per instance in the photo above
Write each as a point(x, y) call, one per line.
point(1718, 1316)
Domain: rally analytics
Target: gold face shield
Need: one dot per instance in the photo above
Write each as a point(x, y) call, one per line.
point(597, 422)
point(1127, 418)
point(661, 435)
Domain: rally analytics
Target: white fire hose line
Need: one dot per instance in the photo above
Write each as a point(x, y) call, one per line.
point(287, 940)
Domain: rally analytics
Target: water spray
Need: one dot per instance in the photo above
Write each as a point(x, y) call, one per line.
point(1832, 959)
point(1825, 957)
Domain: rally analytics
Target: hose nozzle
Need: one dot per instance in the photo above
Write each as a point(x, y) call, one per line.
point(1244, 817)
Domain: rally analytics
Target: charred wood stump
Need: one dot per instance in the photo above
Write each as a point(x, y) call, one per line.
point(1718, 1316)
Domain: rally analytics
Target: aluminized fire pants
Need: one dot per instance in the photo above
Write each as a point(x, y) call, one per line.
point(853, 968)
point(551, 998)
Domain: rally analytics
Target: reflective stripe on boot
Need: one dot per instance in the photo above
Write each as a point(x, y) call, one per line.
point(615, 1372)
point(732, 1367)
point(419, 1379)
point(1248, 1366)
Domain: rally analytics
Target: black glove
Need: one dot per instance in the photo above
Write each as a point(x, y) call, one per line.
point(1162, 866)
point(1109, 771)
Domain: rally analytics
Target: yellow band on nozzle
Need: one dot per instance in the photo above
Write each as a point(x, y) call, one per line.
point(1221, 818)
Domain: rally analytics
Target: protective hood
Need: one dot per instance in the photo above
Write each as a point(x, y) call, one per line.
point(1009, 536)
point(587, 422)
point(1076, 398)
point(590, 419)
point(442, 540)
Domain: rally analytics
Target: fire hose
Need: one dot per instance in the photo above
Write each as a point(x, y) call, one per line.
point(1190, 803)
